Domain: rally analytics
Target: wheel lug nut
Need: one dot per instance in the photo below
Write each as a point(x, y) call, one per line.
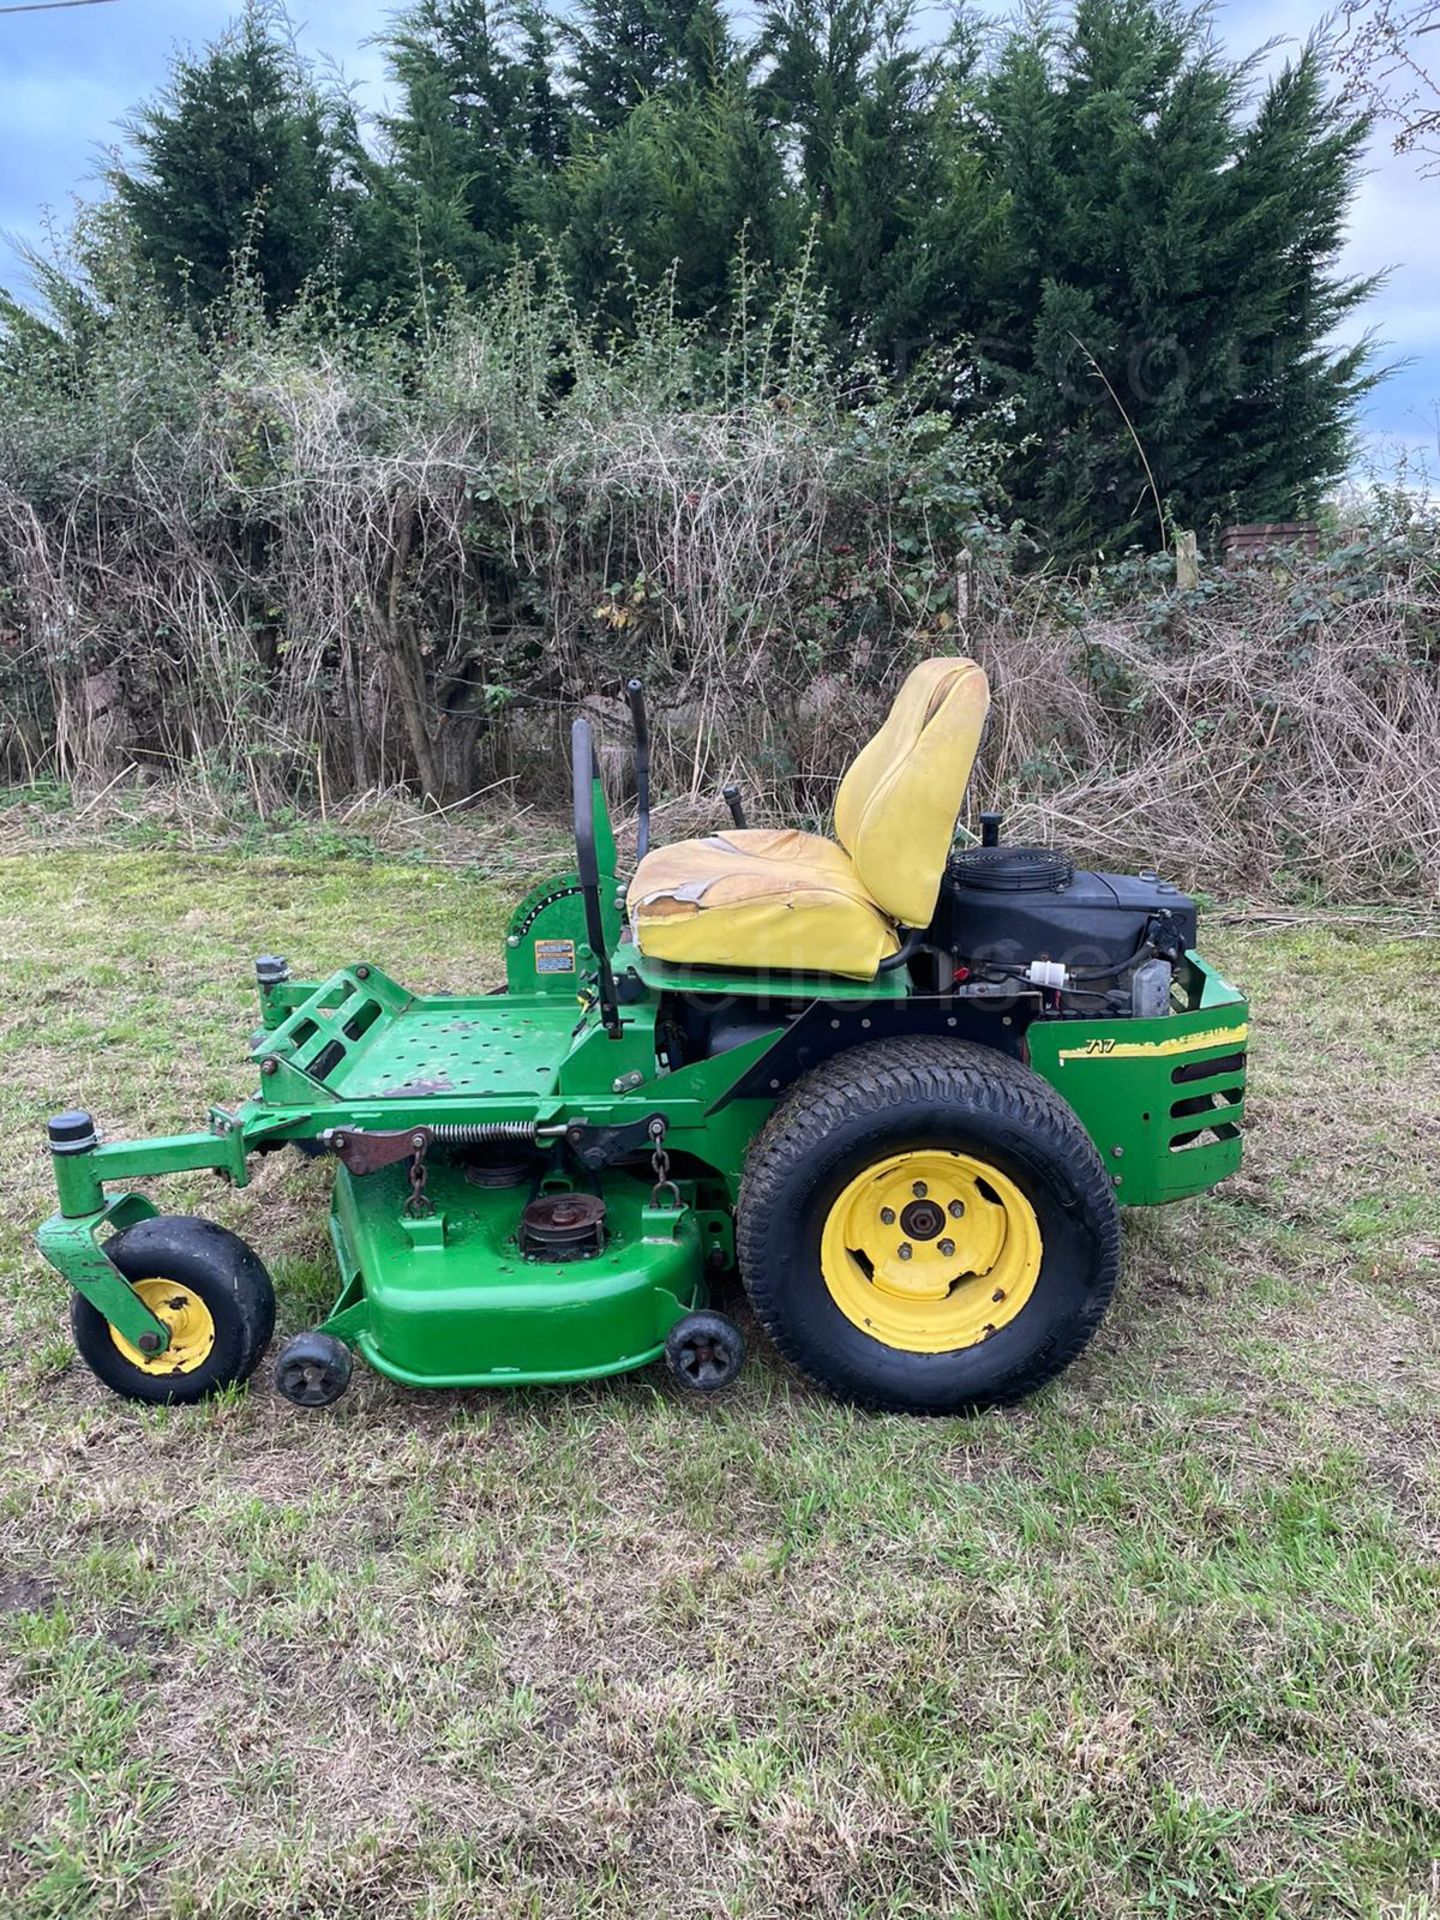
point(905, 1249)
point(998, 1295)
point(957, 1209)
point(920, 1189)
point(887, 1216)
point(947, 1247)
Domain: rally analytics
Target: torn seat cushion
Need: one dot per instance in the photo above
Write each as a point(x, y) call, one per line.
point(758, 897)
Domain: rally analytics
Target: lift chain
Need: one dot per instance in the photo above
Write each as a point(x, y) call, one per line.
point(665, 1192)
point(419, 1203)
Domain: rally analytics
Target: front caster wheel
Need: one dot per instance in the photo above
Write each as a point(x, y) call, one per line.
point(208, 1287)
point(313, 1370)
point(705, 1351)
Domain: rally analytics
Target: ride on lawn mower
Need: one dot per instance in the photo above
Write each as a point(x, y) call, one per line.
point(904, 1088)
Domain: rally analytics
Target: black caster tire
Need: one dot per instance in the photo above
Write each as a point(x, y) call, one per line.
point(705, 1351)
point(925, 1227)
point(212, 1290)
point(313, 1370)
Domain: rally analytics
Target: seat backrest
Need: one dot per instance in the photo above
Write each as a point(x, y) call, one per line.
point(897, 806)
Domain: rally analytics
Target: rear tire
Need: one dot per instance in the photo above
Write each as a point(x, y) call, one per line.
point(211, 1288)
point(852, 1279)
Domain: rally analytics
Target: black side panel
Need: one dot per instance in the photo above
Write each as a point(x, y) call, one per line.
point(828, 1027)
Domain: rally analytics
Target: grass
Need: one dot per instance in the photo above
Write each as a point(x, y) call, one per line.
point(1161, 1642)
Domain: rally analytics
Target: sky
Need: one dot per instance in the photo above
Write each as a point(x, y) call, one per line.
point(68, 78)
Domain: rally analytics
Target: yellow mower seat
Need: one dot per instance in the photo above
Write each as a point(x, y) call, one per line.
point(796, 902)
point(758, 897)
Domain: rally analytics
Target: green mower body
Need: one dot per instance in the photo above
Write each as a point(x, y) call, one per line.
point(539, 1184)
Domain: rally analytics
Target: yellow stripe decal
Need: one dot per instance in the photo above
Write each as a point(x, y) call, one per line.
point(1156, 1049)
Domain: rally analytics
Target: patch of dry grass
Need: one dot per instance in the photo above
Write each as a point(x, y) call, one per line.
point(1160, 1642)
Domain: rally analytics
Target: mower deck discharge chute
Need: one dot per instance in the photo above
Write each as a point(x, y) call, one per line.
point(905, 1089)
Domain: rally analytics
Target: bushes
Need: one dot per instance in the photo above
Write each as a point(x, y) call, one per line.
point(373, 562)
point(307, 565)
point(1275, 732)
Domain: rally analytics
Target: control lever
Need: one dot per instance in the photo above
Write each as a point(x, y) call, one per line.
point(635, 695)
point(731, 797)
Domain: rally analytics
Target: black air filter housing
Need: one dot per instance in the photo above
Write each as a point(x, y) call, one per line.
point(1007, 906)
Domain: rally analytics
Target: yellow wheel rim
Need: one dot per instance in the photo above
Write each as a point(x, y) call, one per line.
point(930, 1251)
point(192, 1328)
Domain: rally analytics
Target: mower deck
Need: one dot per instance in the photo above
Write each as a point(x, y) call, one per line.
point(448, 1298)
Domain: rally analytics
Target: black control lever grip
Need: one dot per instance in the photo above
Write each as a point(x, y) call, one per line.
point(635, 695)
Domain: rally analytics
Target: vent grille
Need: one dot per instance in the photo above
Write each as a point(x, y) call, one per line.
point(1214, 1097)
point(1012, 869)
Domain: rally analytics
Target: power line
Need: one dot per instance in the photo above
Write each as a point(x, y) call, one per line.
point(53, 6)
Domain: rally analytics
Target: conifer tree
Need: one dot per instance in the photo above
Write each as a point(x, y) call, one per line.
point(1108, 219)
point(479, 118)
point(690, 179)
point(236, 158)
point(627, 51)
point(1173, 279)
point(858, 106)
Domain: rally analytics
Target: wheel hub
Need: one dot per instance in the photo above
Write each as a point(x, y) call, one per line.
point(922, 1220)
point(192, 1328)
point(931, 1251)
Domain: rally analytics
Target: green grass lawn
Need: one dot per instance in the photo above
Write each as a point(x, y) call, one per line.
point(1162, 1642)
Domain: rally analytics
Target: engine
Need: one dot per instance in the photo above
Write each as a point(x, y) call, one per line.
point(1101, 942)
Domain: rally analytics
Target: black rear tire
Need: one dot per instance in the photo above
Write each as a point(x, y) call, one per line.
point(872, 1107)
point(226, 1294)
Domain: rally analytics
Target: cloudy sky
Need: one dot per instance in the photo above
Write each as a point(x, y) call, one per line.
point(67, 78)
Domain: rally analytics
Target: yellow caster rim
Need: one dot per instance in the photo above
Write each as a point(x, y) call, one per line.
point(930, 1252)
point(191, 1324)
